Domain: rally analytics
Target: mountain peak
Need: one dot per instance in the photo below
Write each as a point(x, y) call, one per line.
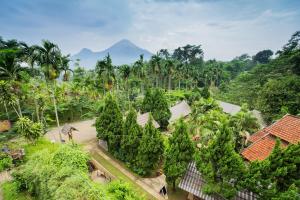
point(85, 50)
point(124, 42)
point(122, 52)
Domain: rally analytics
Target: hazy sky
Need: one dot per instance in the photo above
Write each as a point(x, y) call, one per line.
point(224, 28)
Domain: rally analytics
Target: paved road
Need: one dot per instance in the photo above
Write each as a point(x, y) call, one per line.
point(86, 132)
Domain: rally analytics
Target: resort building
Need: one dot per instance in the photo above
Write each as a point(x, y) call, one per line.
point(142, 120)
point(181, 109)
point(192, 182)
point(287, 129)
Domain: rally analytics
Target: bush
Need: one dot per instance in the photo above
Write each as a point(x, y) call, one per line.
point(10, 192)
point(5, 162)
point(29, 129)
point(122, 191)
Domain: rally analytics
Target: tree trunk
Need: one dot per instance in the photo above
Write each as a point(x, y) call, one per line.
point(7, 114)
point(55, 110)
point(174, 185)
point(37, 110)
point(19, 108)
point(179, 84)
point(169, 84)
point(157, 81)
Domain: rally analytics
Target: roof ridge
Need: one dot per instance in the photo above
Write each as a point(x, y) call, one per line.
point(267, 133)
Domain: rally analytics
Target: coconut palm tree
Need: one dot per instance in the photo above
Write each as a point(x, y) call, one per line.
point(125, 71)
point(49, 59)
point(138, 69)
point(156, 68)
point(65, 67)
point(170, 67)
point(10, 59)
point(106, 71)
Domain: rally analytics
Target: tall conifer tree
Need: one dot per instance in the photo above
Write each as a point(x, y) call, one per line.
point(132, 134)
point(220, 165)
point(151, 149)
point(160, 108)
point(179, 154)
point(109, 124)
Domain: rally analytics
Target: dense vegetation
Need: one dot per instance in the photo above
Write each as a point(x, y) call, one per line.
point(273, 85)
point(39, 89)
point(49, 173)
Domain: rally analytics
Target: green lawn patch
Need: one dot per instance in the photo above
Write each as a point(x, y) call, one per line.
point(40, 145)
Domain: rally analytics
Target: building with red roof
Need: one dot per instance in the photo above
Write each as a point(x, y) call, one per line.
point(287, 129)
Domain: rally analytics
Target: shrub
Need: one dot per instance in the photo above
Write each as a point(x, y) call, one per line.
point(5, 162)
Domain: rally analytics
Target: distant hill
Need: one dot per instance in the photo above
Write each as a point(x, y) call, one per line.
point(122, 52)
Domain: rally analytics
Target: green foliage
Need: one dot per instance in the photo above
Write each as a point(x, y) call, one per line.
point(132, 134)
point(151, 149)
point(220, 165)
point(29, 129)
point(156, 103)
point(120, 190)
point(280, 96)
point(109, 124)
point(11, 191)
point(272, 88)
point(160, 109)
point(179, 153)
point(71, 156)
point(5, 162)
point(263, 56)
point(205, 93)
point(147, 102)
point(276, 176)
point(243, 123)
point(62, 174)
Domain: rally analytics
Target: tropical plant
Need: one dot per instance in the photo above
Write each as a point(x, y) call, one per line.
point(29, 129)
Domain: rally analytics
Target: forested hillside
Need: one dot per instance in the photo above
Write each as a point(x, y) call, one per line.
point(272, 86)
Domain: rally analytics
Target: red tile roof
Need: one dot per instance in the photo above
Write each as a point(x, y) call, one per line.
point(287, 129)
point(261, 149)
point(258, 135)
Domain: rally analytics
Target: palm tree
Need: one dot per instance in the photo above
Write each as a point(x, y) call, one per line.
point(65, 67)
point(155, 64)
point(170, 66)
point(30, 54)
point(125, 72)
point(138, 70)
point(179, 73)
point(106, 71)
point(10, 59)
point(49, 58)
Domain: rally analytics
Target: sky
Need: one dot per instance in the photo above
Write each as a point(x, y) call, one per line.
point(224, 28)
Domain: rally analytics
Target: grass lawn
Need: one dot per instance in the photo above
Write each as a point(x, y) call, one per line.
point(10, 192)
point(115, 171)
